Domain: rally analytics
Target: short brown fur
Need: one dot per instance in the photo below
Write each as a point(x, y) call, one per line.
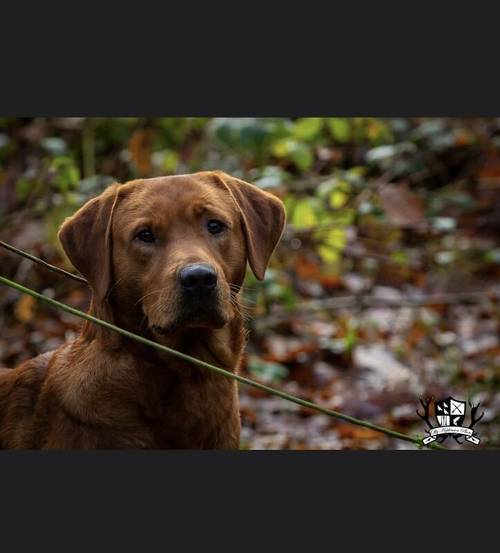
point(105, 391)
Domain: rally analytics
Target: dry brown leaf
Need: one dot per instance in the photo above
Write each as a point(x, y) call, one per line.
point(306, 268)
point(402, 207)
point(490, 170)
point(25, 309)
point(357, 432)
point(140, 148)
point(330, 281)
point(286, 350)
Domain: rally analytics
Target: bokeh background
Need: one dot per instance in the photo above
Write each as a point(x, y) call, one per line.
point(384, 288)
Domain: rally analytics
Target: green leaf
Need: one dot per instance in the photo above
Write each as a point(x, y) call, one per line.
point(343, 217)
point(351, 338)
point(335, 184)
point(170, 161)
point(336, 238)
point(328, 254)
point(289, 201)
point(340, 128)
point(304, 214)
point(283, 147)
point(54, 219)
point(298, 152)
point(23, 188)
point(332, 244)
point(280, 294)
point(302, 157)
point(266, 370)
point(400, 257)
point(337, 198)
point(308, 128)
point(493, 256)
point(67, 174)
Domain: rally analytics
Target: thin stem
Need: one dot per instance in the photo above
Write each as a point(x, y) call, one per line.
point(239, 378)
point(370, 301)
point(43, 263)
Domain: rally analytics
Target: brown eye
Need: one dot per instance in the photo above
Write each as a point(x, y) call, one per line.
point(215, 227)
point(145, 235)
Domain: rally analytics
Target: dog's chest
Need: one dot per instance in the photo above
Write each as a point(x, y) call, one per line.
point(196, 413)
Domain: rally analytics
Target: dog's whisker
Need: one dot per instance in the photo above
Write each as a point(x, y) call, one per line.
point(149, 294)
point(243, 298)
point(245, 304)
point(242, 288)
point(114, 285)
point(143, 324)
point(246, 310)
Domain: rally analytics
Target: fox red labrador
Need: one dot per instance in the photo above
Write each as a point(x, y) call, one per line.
point(165, 258)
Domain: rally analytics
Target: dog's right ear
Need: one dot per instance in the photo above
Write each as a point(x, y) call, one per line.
point(86, 239)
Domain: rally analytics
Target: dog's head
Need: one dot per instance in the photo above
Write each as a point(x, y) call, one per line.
point(172, 251)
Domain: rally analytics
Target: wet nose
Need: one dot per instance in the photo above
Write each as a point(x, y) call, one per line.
point(198, 278)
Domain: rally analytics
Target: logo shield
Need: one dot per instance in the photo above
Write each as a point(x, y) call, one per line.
point(450, 412)
point(450, 416)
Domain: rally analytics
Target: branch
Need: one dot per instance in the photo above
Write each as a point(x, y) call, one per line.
point(43, 263)
point(370, 301)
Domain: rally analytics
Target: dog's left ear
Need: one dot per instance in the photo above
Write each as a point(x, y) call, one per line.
point(263, 220)
point(86, 239)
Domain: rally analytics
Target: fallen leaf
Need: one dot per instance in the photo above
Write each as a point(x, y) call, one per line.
point(357, 432)
point(140, 148)
point(402, 207)
point(25, 308)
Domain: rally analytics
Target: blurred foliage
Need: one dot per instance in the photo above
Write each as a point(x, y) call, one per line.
point(319, 166)
point(375, 206)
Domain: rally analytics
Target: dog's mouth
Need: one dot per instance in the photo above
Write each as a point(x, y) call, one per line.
point(201, 317)
point(191, 309)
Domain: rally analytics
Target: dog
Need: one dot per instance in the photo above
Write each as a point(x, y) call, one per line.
point(165, 258)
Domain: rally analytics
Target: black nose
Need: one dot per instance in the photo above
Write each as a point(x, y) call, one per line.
point(198, 278)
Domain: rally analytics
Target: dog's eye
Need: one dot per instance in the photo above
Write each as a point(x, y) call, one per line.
point(145, 235)
point(215, 227)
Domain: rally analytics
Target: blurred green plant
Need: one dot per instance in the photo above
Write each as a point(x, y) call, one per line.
point(267, 371)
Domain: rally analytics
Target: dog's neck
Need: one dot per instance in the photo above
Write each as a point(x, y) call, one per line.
point(122, 370)
point(216, 346)
point(222, 347)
